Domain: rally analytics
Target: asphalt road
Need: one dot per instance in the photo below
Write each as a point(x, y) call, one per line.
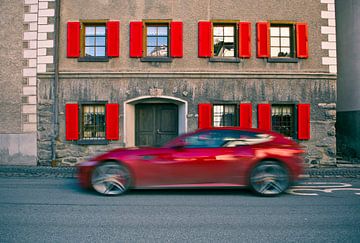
point(57, 210)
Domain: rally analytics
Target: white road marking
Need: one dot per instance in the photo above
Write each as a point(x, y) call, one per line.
point(326, 187)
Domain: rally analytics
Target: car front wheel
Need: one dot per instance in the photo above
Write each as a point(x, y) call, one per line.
point(269, 178)
point(111, 178)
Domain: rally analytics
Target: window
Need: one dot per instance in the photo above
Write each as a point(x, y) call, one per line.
point(224, 115)
point(94, 41)
point(157, 40)
point(282, 41)
point(224, 40)
point(93, 122)
point(282, 118)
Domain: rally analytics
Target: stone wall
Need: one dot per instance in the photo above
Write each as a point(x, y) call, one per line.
point(320, 93)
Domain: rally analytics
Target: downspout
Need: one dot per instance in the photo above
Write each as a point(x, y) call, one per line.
point(54, 85)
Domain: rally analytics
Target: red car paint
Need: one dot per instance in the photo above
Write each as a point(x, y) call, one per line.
point(176, 165)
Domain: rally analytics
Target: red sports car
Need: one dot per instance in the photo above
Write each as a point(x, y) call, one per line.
point(267, 162)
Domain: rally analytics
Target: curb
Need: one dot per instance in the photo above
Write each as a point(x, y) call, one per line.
point(70, 172)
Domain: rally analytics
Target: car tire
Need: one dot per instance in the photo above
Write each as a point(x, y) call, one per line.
point(269, 178)
point(111, 178)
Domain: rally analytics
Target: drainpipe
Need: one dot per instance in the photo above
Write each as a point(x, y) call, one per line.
point(54, 85)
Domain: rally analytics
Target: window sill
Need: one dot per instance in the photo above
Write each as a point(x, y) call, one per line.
point(93, 59)
point(156, 59)
point(93, 142)
point(230, 60)
point(283, 60)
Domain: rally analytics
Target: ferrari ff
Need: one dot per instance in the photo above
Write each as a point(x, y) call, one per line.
point(226, 157)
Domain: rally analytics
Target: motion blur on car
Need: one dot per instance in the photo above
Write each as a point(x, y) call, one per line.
point(227, 157)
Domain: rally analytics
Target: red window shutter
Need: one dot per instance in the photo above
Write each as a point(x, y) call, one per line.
point(136, 39)
point(245, 39)
point(302, 44)
point(112, 29)
point(205, 115)
point(245, 115)
point(263, 39)
point(176, 39)
point(303, 121)
point(112, 121)
point(204, 39)
point(73, 39)
point(72, 121)
point(264, 117)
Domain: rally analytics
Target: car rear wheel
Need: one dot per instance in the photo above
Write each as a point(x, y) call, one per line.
point(269, 178)
point(111, 178)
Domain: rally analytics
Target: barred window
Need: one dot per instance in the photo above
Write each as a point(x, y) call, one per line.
point(95, 40)
point(281, 41)
point(224, 40)
point(224, 115)
point(283, 120)
point(157, 40)
point(93, 122)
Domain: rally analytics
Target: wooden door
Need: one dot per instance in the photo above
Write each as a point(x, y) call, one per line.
point(155, 124)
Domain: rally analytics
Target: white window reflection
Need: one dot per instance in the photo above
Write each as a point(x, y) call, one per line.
point(224, 40)
point(281, 41)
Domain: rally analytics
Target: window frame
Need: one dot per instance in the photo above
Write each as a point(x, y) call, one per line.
point(224, 23)
point(294, 122)
point(293, 58)
point(156, 23)
point(90, 141)
point(83, 25)
point(236, 113)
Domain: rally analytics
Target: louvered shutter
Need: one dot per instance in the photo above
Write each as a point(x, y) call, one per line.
point(73, 39)
point(263, 39)
point(303, 121)
point(176, 39)
point(112, 32)
point(264, 117)
point(204, 44)
point(302, 44)
point(112, 121)
point(72, 121)
point(245, 115)
point(245, 39)
point(204, 116)
point(136, 39)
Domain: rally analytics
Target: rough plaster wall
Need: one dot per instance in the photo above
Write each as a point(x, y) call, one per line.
point(11, 35)
point(190, 12)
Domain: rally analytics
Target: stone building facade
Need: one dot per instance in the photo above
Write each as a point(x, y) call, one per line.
point(127, 73)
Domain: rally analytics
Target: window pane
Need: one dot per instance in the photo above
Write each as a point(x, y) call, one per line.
point(218, 31)
point(285, 51)
point(218, 48)
point(275, 51)
point(151, 31)
point(285, 31)
point(162, 41)
point(151, 41)
point(229, 39)
point(90, 41)
point(274, 31)
point(285, 42)
point(100, 51)
point(229, 50)
point(274, 41)
point(229, 31)
point(151, 51)
point(218, 39)
point(100, 30)
point(162, 51)
point(100, 41)
point(90, 30)
point(163, 30)
point(90, 51)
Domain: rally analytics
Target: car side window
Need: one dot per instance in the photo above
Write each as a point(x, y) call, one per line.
point(209, 139)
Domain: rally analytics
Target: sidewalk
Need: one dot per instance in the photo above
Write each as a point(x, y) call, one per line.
point(70, 172)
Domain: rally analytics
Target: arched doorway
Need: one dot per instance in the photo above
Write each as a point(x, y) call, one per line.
point(151, 121)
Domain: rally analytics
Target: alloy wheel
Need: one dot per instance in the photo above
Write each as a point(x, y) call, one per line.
point(269, 178)
point(111, 179)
